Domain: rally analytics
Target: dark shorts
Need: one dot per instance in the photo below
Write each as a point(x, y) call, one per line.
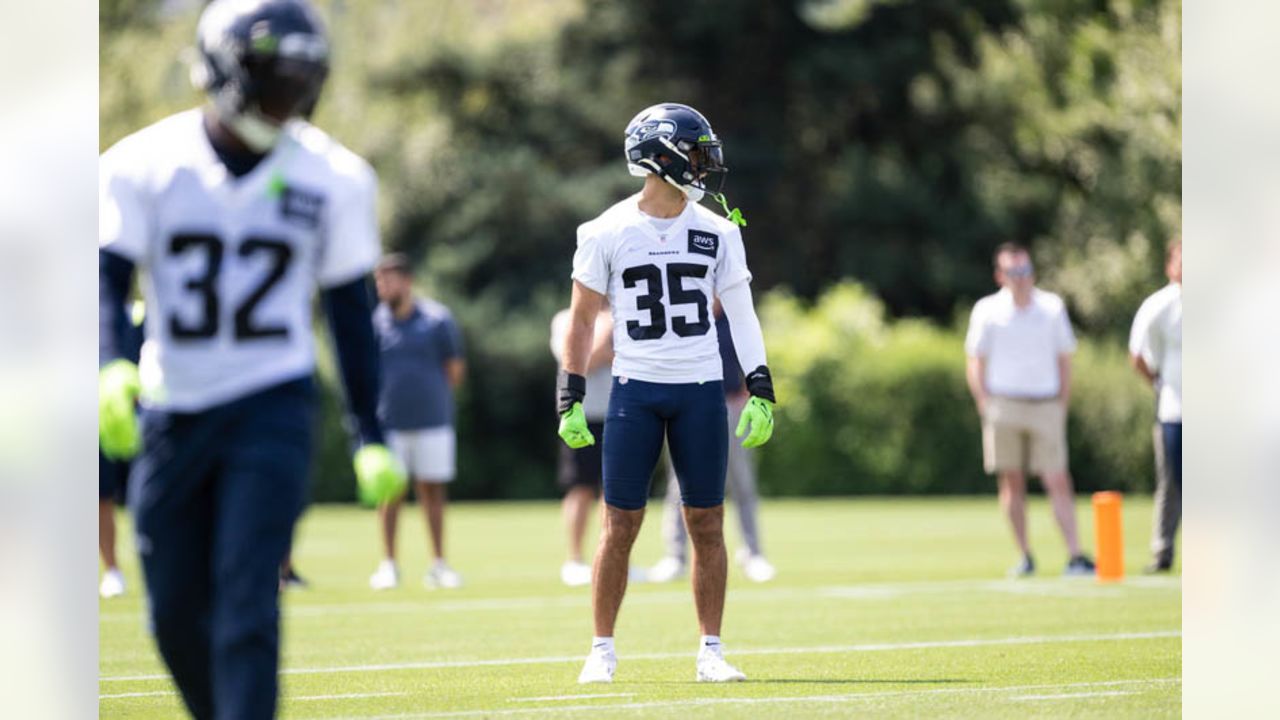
point(582, 466)
point(690, 417)
point(112, 477)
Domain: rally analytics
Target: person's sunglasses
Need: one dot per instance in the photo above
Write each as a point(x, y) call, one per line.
point(1019, 271)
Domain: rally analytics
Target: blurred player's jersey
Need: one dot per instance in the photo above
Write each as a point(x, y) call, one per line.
point(661, 278)
point(231, 264)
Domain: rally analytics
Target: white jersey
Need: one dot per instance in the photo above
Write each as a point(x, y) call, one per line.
point(662, 282)
point(231, 264)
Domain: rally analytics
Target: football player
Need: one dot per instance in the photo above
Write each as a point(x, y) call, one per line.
point(662, 259)
point(234, 212)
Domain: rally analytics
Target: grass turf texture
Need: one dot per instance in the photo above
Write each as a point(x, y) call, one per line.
point(886, 607)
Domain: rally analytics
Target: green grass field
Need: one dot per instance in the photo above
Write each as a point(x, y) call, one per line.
point(881, 607)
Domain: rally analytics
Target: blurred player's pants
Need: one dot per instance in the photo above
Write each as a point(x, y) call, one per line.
point(1168, 445)
point(215, 496)
point(740, 482)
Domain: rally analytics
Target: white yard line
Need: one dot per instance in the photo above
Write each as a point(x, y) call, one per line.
point(343, 696)
point(160, 693)
point(1071, 696)
point(558, 698)
point(1058, 587)
point(864, 647)
point(745, 701)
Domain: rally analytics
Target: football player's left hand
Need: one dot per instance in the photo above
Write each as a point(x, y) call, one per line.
point(118, 388)
point(758, 414)
point(573, 428)
point(380, 477)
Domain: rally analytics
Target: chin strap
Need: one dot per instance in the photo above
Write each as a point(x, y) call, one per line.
point(734, 215)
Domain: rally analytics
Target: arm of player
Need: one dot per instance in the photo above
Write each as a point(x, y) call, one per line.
point(583, 311)
point(748, 342)
point(455, 369)
point(1064, 378)
point(349, 308)
point(118, 383)
point(601, 344)
point(975, 370)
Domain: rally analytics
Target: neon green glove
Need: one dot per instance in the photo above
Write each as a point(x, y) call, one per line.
point(758, 413)
point(380, 478)
point(573, 428)
point(118, 388)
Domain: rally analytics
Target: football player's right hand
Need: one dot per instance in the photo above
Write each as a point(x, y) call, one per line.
point(380, 478)
point(118, 388)
point(573, 428)
point(758, 416)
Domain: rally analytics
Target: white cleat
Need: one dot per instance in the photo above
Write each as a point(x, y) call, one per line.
point(442, 576)
point(112, 584)
point(712, 667)
point(666, 570)
point(599, 666)
point(758, 569)
point(385, 577)
point(575, 574)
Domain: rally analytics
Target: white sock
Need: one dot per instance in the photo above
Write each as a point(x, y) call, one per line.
point(710, 642)
point(602, 643)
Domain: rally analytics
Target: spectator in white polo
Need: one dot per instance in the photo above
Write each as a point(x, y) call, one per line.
point(422, 363)
point(1155, 349)
point(1019, 350)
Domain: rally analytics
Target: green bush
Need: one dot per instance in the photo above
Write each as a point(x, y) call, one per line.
point(868, 407)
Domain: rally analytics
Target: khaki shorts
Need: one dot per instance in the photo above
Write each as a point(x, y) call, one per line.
point(1024, 435)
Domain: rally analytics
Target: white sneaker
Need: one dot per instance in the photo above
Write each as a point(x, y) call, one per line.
point(758, 569)
point(442, 576)
point(712, 667)
point(385, 577)
point(112, 584)
point(575, 574)
point(665, 570)
point(599, 666)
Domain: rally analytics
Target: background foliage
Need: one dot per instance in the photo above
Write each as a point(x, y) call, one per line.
point(891, 142)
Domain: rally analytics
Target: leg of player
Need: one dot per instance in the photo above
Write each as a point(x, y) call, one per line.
point(618, 530)
point(674, 534)
point(172, 507)
point(710, 569)
point(387, 575)
point(433, 497)
point(1062, 497)
point(110, 475)
point(112, 581)
point(258, 497)
point(575, 508)
point(710, 565)
point(1013, 500)
point(740, 479)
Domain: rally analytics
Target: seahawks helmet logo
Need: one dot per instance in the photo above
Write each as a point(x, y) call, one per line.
point(651, 129)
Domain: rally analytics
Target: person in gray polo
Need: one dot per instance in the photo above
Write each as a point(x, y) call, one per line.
point(422, 363)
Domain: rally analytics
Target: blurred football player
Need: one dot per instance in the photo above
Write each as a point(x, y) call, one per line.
point(661, 259)
point(235, 213)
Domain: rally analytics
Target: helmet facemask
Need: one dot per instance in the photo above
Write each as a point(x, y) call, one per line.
point(261, 79)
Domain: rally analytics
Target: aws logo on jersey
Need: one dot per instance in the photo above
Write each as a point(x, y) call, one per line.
point(301, 206)
point(703, 243)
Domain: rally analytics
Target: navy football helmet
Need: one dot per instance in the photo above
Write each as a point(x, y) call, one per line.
point(676, 143)
point(261, 62)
